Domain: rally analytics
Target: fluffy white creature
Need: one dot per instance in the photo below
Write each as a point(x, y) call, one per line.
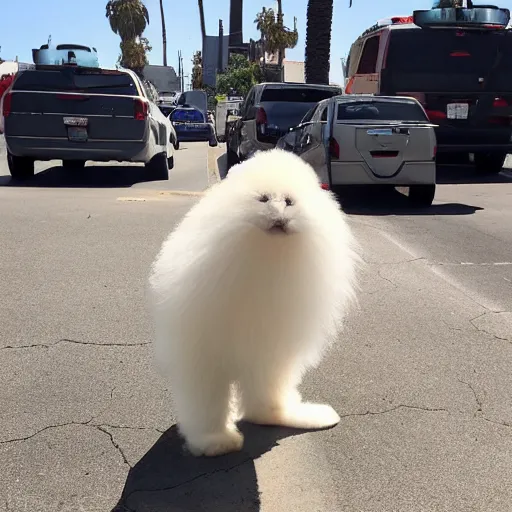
point(247, 292)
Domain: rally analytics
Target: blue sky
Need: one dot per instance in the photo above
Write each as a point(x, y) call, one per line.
point(27, 24)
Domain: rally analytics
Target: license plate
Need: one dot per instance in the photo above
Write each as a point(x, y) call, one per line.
point(193, 126)
point(76, 121)
point(380, 131)
point(77, 134)
point(457, 110)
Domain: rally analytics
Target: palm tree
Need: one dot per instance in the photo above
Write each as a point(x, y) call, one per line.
point(129, 19)
point(164, 32)
point(318, 41)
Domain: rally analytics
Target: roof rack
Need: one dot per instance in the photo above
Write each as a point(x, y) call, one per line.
point(386, 22)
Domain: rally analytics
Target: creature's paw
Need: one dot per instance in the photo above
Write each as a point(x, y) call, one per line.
point(301, 415)
point(213, 445)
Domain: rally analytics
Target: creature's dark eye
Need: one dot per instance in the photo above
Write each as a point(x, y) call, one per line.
point(288, 201)
point(264, 198)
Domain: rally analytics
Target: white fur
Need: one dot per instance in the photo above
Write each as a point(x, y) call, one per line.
point(239, 307)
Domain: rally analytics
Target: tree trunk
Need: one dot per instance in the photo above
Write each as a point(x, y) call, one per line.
point(164, 32)
point(318, 41)
point(201, 18)
point(280, 54)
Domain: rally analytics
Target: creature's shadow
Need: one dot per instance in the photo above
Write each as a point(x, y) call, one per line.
point(168, 479)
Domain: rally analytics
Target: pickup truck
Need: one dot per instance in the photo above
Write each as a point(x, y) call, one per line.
point(75, 114)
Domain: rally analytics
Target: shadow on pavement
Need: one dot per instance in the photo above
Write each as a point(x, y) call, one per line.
point(168, 479)
point(381, 201)
point(467, 174)
point(94, 176)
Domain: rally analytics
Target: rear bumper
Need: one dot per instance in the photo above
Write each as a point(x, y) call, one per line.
point(474, 148)
point(41, 148)
point(200, 134)
point(472, 140)
point(357, 173)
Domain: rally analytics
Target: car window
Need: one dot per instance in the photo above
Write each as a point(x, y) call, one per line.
point(382, 111)
point(307, 118)
point(368, 62)
point(323, 116)
point(77, 79)
point(298, 94)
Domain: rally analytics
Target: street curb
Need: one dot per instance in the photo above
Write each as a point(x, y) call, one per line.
point(213, 168)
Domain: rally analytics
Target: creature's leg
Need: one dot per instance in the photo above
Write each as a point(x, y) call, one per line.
point(205, 419)
point(270, 397)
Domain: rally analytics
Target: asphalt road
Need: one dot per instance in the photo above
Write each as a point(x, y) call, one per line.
point(422, 376)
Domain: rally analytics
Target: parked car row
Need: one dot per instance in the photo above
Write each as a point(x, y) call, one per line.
point(348, 139)
point(436, 78)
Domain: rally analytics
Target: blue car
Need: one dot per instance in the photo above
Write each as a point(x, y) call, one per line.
point(191, 125)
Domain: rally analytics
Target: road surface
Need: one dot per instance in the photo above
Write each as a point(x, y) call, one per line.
point(422, 376)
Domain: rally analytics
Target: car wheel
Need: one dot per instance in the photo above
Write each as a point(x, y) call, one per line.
point(422, 196)
point(73, 164)
point(232, 159)
point(490, 163)
point(158, 167)
point(170, 162)
point(21, 168)
point(176, 145)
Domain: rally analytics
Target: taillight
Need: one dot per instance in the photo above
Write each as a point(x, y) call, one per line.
point(325, 186)
point(261, 120)
point(500, 103)
point(334, 148)
point(141, 110)
point(435, 115)
point(6, 110)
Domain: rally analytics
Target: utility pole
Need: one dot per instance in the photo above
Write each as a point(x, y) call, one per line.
point(221, 52)
point(164, 32)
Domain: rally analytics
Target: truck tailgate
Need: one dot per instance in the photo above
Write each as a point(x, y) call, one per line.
point(100, 117)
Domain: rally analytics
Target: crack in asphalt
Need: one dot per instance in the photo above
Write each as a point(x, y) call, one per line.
point(501, 423)
point(483, 330)
point(88, 423)
point(393, 409)
point(479, 402)
point(116, 445)
point(76, 342)
point(44, 429)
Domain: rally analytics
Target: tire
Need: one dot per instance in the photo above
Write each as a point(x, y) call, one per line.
point(75, 165)
point(21, 168)
point(170, 162)
point(158, 167)
point(421, 196)
point(490, 163)
point(232, 159)
point(176, 145)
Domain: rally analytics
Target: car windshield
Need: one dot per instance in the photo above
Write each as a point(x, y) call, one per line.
point(76, 80)
point(381, 111)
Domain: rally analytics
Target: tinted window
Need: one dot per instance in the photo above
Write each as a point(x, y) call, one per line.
point(449, 51)
point(381, 111)
point(187, 115)
point(78, 80)
point(298, 95)
point(368, 62)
